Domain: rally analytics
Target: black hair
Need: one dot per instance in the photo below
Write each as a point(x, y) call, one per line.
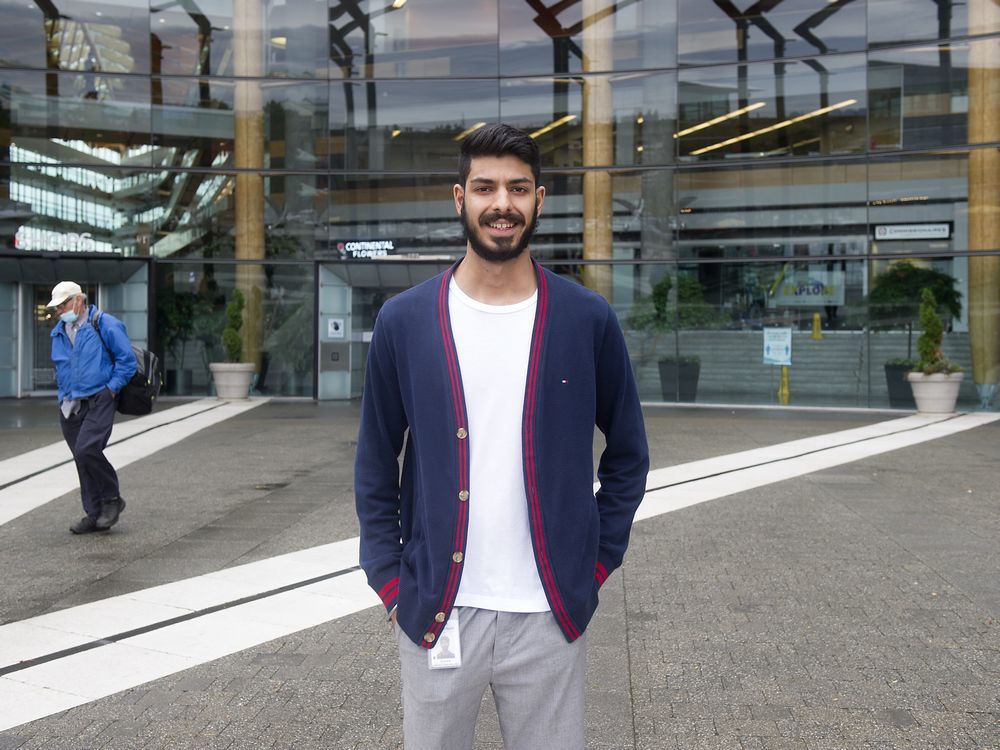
point(499, 140)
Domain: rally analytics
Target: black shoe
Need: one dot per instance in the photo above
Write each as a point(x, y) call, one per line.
point(85, 525)
point(110, 510)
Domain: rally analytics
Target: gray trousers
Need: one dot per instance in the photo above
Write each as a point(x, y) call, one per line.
point(537, 678)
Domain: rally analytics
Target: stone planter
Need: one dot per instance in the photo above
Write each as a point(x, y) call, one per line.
point(232, 379)
point(900, 393)
point(679, 380)
point(937, 393)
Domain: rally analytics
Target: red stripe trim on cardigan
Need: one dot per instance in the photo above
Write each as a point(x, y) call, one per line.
point(388, 592)
point(548, 578)
point(600, 573)
point(454, 378)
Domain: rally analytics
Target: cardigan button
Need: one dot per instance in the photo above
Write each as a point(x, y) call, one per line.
point(462, 434)
point(429, 637)
point(439, 617)
point(463, 495)
point(458, 557)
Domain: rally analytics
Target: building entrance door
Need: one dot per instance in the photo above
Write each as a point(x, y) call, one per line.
point(38, 343)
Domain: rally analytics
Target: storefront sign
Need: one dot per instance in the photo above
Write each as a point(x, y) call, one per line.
point(912, 231)
point(809, 289)
point(777, 346)
point(366, 248)
point(44, 240)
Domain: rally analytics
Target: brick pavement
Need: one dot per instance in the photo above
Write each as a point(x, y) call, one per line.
point(854, 608)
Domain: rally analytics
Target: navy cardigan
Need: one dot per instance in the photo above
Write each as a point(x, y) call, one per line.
point(414, 523)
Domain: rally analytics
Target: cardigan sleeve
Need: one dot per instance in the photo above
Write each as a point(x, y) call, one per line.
point(376, 467)
point(624, 463)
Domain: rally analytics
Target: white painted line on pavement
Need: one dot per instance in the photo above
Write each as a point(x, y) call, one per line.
point(41, 488)
point(806, 456)
point(79, 677)
point(46, 457)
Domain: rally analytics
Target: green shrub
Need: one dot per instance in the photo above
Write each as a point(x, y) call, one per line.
point(931, 359)
point(232, 342)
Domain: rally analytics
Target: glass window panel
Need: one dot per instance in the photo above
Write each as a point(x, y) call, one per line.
point(711, 32)
point(190, 39)
point(412, 125)
point(296, 39)
point(78, 209)
point(538, 40)
point(919, 204)
point(816, 209)
point(99, 38)
point(191, 214)
point(634, 117)
point(190, 315)
point(760, 110)
point(921, 98)
point(75, 117)
point(404, 215)
point(692, 336)
point(430, 38)
point(194, 123)
point(895, 21)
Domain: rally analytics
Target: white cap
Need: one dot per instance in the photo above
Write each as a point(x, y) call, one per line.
point(63, 291)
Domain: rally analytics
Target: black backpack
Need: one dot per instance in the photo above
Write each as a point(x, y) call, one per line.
point(139, 394)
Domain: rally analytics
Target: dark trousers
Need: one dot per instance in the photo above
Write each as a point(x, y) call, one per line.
point(87, 433)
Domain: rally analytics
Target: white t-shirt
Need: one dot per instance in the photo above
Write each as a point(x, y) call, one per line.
point(493, 343)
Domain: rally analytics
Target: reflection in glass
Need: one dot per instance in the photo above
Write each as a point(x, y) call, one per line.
point(430, 38)
point(543, 38)
point(782, 210)
point(919, 98)
point(194, 123)
point(714, 32)
point(393, 125)
point(76, 117)
point(96, 38)
point(895, 21)
point(190, 304)
point(639, 113)
point(759, 110)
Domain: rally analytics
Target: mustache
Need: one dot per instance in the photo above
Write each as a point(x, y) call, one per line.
point(497, 216)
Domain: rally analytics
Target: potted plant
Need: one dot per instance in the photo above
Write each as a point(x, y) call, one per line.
point(655, 314)
point(232, 377)
point(893, 303)
point(936, 379)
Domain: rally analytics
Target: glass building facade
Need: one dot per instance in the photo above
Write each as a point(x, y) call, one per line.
point(733, 177)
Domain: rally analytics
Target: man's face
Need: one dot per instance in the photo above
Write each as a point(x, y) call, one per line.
point(499, 206)
point(70, 303)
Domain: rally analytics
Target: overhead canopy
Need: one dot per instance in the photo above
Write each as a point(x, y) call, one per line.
point(81, 268)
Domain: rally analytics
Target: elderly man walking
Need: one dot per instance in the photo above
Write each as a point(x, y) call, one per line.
point(91, 369)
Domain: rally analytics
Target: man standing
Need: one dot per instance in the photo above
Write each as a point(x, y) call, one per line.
point(491, 541)
point(91, 368)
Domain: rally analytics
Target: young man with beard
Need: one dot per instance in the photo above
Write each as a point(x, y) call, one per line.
point(490, 379)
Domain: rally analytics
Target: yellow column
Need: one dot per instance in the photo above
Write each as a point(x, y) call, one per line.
point(984, 198)
point(248, 154)
point(598, 144)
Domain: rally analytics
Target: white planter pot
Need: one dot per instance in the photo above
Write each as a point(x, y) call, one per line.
point(232, 379)
point(937, 393)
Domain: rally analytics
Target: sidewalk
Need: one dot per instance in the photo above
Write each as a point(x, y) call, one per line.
point(853, 606)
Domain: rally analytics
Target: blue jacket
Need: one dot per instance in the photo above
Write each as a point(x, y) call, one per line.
point(86, 369)
point(414, 525)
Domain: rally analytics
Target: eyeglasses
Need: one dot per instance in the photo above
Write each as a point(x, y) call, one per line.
point(64, 305)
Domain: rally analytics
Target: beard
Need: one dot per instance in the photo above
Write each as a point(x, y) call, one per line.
point(506, 248)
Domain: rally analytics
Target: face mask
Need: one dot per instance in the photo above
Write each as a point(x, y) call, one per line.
point(68, 317)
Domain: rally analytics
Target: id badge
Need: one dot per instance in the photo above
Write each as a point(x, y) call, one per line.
point(447, 652)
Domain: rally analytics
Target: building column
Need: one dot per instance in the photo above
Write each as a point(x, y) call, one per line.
point(248, 67)
point(598, 145)
point(984, 200)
